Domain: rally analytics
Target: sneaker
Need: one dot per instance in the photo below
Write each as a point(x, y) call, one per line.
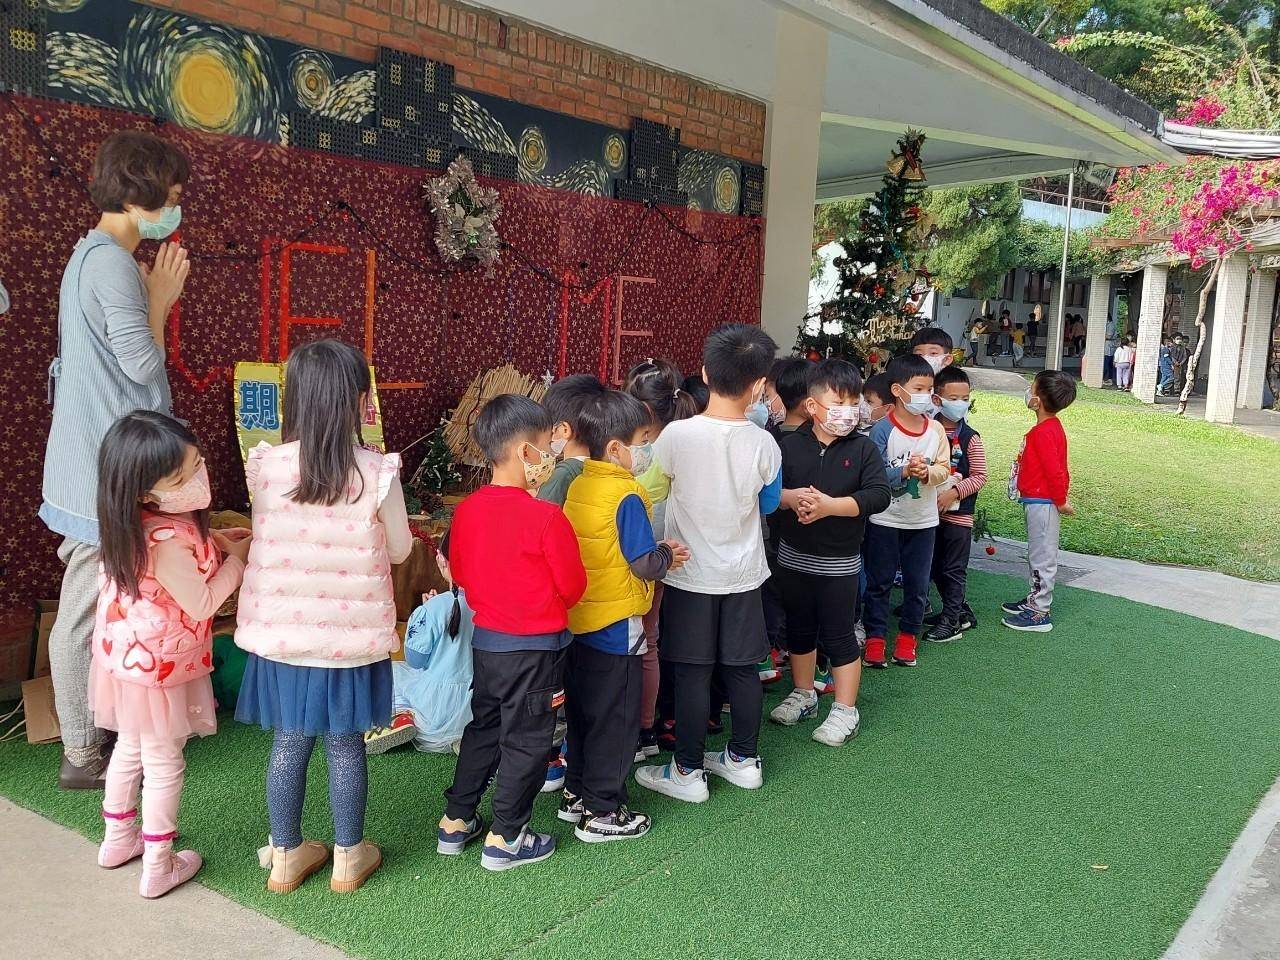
point(622, 824)
point(781, 656)
point(799, 705)
point(529, 848)
point(571, 808)
point(1031, 621)
point(968, 619)
point(381, 739)
point(944, 631)
point(452, 842)
point(842, 724)
point(873, 653)
point(742, 772)
point(647, 744)
point(823, 683)
point(904, 650)
point(768, 669)
point(666, 736)
point(671, 781)
point(1014, 607)
point(555, 776)
point(860, 633)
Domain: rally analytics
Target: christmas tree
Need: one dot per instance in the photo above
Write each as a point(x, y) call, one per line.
point(437, 471)
point(874, 311)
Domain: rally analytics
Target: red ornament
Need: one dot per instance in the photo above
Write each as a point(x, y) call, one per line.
point(813, 355)
point(879, 290)
point(991, 551)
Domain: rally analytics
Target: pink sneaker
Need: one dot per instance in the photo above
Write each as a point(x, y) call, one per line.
point(163, 870)
point(123, 840)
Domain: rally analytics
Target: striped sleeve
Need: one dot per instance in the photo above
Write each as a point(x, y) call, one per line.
point(977, 478)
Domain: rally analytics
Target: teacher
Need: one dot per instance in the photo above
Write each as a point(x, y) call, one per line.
point(111, 318)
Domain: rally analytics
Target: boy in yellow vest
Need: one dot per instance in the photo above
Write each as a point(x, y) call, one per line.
point(610, 512)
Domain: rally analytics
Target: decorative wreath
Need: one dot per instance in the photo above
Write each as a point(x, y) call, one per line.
point(465, 213)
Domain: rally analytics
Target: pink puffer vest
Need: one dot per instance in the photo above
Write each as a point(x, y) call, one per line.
point(148, 639)
point(318, 581)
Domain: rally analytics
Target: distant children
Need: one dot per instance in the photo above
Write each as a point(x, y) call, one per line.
point(609, 512)
point(1019, 340)
point(917, 458)
point(316, 612)
point(935, 345)
point(1123, 360)
point(434, 681)
point(516, 558)
point(832, 479)
point(162, 581)
point(562, 401)
point(1040, 481)
point(1165, 367)
point(724, 473)
point(956, 499)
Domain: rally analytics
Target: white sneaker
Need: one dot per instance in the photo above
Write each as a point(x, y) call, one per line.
point(860, 633)
point(745, 773)
point(799, 705)
point(668, 780)
point(842, 724)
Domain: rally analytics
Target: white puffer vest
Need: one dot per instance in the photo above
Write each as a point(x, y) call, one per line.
point(318, 583)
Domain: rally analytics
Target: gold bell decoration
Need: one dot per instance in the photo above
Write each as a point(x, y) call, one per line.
point(907, 165)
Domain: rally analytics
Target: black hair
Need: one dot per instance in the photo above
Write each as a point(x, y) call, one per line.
point(140, 450)
point(949, 374)
point(324, 382)
point(613, 415)
point(455, 613)
point(1056, 390)
point(879, 384)
point(698, 390)
point(506, 418)
point(1124, 341)
point(905, 366)
point(838, 375)
point(658, 384)
point(790, 377)
point(566, 396)
point(932, 336)
point(735, 356)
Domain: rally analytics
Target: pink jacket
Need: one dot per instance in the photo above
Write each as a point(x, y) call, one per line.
point(149, 639)
point(318, 584)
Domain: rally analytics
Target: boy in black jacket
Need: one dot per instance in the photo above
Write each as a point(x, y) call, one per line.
point(832, 480)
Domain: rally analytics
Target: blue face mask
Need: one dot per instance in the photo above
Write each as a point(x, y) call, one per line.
point(170, 219)
point(758, 413)
point(955, 410)
point(920, 404)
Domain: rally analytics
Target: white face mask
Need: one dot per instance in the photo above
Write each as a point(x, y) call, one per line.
point(920, 404)
point(841, 420)
point(557, 447)
point(937, 363)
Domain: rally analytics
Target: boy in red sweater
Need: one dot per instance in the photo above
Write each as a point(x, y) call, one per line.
point(1040, 481)
point(517, 559)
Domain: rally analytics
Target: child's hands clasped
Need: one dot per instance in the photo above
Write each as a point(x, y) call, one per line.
point(916, 467)
point(234, 542)
point(812, 505)
point(679, 554)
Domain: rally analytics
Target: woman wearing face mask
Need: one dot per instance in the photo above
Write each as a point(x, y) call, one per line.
point(110, 361)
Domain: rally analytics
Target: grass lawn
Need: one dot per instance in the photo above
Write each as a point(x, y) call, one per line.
point(1147, 485)
point(1017, 796)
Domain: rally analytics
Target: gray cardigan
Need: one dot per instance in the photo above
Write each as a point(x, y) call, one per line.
point(108, 364)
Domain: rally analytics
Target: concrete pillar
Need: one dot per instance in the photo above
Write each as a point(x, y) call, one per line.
point(1054, 330)
point(1228, 332)
point(793, 122)
point(1096, 330)
point(1146, 364)
point(1257, 340)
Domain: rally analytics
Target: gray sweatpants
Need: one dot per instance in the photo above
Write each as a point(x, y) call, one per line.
point(70, 649)
point(1042, 553)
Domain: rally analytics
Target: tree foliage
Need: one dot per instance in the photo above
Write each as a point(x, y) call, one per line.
point(973, 242)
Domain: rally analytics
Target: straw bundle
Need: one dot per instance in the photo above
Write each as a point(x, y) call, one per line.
point(486, 386)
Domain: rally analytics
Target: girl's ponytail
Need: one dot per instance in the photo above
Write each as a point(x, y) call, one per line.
point(455, 615)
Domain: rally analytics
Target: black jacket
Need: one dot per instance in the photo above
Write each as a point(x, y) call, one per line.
point(850, 467)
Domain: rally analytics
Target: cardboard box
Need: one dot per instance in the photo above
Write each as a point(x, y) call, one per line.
point(39, 709)
point(46, 614)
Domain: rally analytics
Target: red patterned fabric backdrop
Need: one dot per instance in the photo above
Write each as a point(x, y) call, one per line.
point(599, 282)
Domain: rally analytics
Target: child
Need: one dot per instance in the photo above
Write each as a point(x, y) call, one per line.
point(316, 613)
point(956, 501)
point(517, 559)
point(787, 387)
point(435, 678)
point(832, 480)
point(1040, 481)
point(1165, 367)
point(877, 401)
point(918, 458)
point(1019, 339)
point(160, 586)
point(609, 512)
point(1123, 360)
point(724, 473)
point(562, 402)
point(935, 345)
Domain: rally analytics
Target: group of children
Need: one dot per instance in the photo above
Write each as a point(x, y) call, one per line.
point(637, 560)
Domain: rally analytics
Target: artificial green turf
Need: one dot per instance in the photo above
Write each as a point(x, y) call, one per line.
point(1147, 485)
point(973, 818)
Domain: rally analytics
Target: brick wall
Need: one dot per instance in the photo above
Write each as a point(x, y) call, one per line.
point(507, 58)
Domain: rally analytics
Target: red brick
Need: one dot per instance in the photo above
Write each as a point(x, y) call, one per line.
point(368, 18)
point(495, 87)
point(289, 13)
point(675, 108)
point(592, 113)
point(634, 96)
point(544, 85)
point(613, 90)
point(326, 24)
point(397, 9)
point(464, 80)
point(433, 13)
point(358, 51)
point(591, 99)
point(366, 35)
point(541, 69)
point(519, 65)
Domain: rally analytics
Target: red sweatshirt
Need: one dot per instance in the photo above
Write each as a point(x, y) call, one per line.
point(1042, 465)
point(517, 559)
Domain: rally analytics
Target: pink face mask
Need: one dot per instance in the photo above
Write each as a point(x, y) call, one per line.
point(192, 495)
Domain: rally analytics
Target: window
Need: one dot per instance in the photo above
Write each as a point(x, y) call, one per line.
point(1038, 286)
point(1007, 285)
point(1077, 293)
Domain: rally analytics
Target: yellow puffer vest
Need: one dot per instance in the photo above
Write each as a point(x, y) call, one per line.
point(613, 592)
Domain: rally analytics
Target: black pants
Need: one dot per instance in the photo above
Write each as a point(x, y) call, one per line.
point(602, 699)
point(820, 614)
point(742, 688)
point(951, 567)
point(889, 549)
point(514, 697)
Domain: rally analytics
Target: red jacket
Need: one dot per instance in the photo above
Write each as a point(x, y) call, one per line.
point(517, 559)
point(1042, 465)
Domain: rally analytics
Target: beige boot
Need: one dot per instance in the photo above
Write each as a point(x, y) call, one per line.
point(352, 866)
point(290, 867)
